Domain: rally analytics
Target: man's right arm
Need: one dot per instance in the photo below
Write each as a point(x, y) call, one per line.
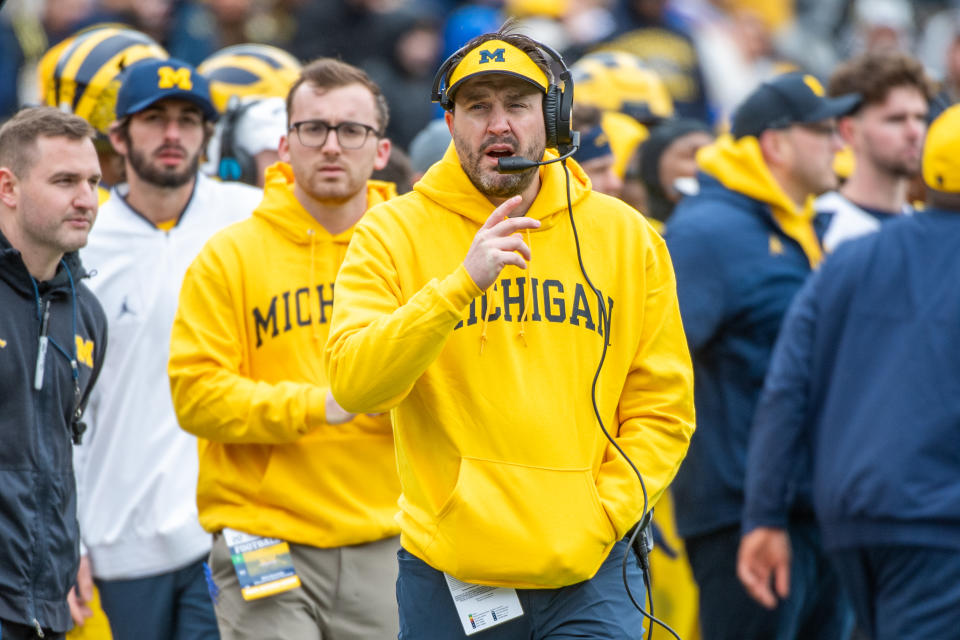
point(211, 395)
point(774, 454)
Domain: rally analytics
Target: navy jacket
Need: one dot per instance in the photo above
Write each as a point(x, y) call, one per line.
point(736, 275)
point(866, 378)
point(39, 538)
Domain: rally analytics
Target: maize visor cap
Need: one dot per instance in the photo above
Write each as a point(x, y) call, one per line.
point(151, 81)
point(496, 56)
point(81, 74)
point(941, 152)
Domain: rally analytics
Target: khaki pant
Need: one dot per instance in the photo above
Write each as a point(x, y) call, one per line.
point(346, 593)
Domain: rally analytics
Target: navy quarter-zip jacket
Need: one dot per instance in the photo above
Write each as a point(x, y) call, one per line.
point(39, 537)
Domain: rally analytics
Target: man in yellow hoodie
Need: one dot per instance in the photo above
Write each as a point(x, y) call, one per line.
point(742, 248)
point(299, 493)
point(486, 347)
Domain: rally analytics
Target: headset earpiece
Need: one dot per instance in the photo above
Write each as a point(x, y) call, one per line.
point(235, 164)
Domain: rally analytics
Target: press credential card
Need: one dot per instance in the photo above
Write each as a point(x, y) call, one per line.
point(481, 607)
point(263, 565)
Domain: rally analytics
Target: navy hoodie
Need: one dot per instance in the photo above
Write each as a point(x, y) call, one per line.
point(865, 378)
point(39, 538)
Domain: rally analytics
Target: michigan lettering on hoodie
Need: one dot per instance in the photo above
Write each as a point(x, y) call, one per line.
point(507, 477)
point(247, 378)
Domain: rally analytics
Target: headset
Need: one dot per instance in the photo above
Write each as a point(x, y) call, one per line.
point(557, 102)
point(235, 164)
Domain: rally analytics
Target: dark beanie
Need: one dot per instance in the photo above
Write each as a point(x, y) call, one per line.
point(661, 137)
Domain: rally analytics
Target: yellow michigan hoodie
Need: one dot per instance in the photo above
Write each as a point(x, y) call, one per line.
point(507, 478)
point(247, 378)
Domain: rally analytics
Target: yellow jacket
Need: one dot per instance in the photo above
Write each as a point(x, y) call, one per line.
point(247, 378)
point(507, 478)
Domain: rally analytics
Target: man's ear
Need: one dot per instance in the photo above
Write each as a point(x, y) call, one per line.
point(772, 146)
point(283, 149)
point(9, 188)
point(847, 128)
point(383, 154)
point(117, 139)
point(448, 118)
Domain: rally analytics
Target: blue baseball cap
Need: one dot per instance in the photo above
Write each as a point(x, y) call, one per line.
point(150, 81)
point(788, 99)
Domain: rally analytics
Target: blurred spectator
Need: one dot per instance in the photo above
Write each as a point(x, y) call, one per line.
point(861, 403)
point(885, 135)
point(249, 71)
point(246, 140)
point(407, 72)
point(668, 166)
point(737, 54)
point(428, 147)
point(741, 249)
point(595, 155)
point(648, 30)
point(467, 22)
point(880, 25)
point(356, 31)
point(618, 81)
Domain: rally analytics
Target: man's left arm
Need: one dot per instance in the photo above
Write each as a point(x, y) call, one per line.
point(655, 415)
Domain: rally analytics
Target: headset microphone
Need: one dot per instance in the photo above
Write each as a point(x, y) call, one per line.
point(516, 164)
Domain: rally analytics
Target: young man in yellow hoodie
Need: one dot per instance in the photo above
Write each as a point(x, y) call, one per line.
point(742, 248)
point(484, 346)
point(300, 493)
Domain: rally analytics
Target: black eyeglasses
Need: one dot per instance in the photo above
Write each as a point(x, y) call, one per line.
point(350, 135)
point(820, 128)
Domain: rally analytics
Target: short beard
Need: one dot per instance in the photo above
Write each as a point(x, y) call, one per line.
point(899, 169)
point(158, 177)
point(501, 185)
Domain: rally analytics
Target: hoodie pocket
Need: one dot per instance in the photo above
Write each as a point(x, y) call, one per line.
point(520, 525)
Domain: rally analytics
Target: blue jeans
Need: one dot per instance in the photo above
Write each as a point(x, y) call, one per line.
point(900, 592)
point(595, 608)
point(816, 607)
point(170, 606)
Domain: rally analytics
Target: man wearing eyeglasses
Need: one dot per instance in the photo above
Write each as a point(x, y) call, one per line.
point(136, 469)
point(741, 249)
point(299, 493)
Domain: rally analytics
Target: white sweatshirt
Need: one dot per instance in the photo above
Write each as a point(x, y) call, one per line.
point(136, 469)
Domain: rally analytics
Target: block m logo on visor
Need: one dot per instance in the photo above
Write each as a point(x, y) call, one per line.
point(495, 56)
point(170, 77)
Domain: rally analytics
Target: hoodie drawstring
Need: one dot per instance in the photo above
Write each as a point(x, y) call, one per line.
point(527, 299)
point(313, 282)
point(486, 317)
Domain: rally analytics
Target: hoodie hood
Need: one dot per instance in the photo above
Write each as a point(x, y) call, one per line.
point(281, 209)
point(447, 185)
point(739, 166)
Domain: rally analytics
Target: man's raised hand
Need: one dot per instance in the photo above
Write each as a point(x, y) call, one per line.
point(495, 245)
